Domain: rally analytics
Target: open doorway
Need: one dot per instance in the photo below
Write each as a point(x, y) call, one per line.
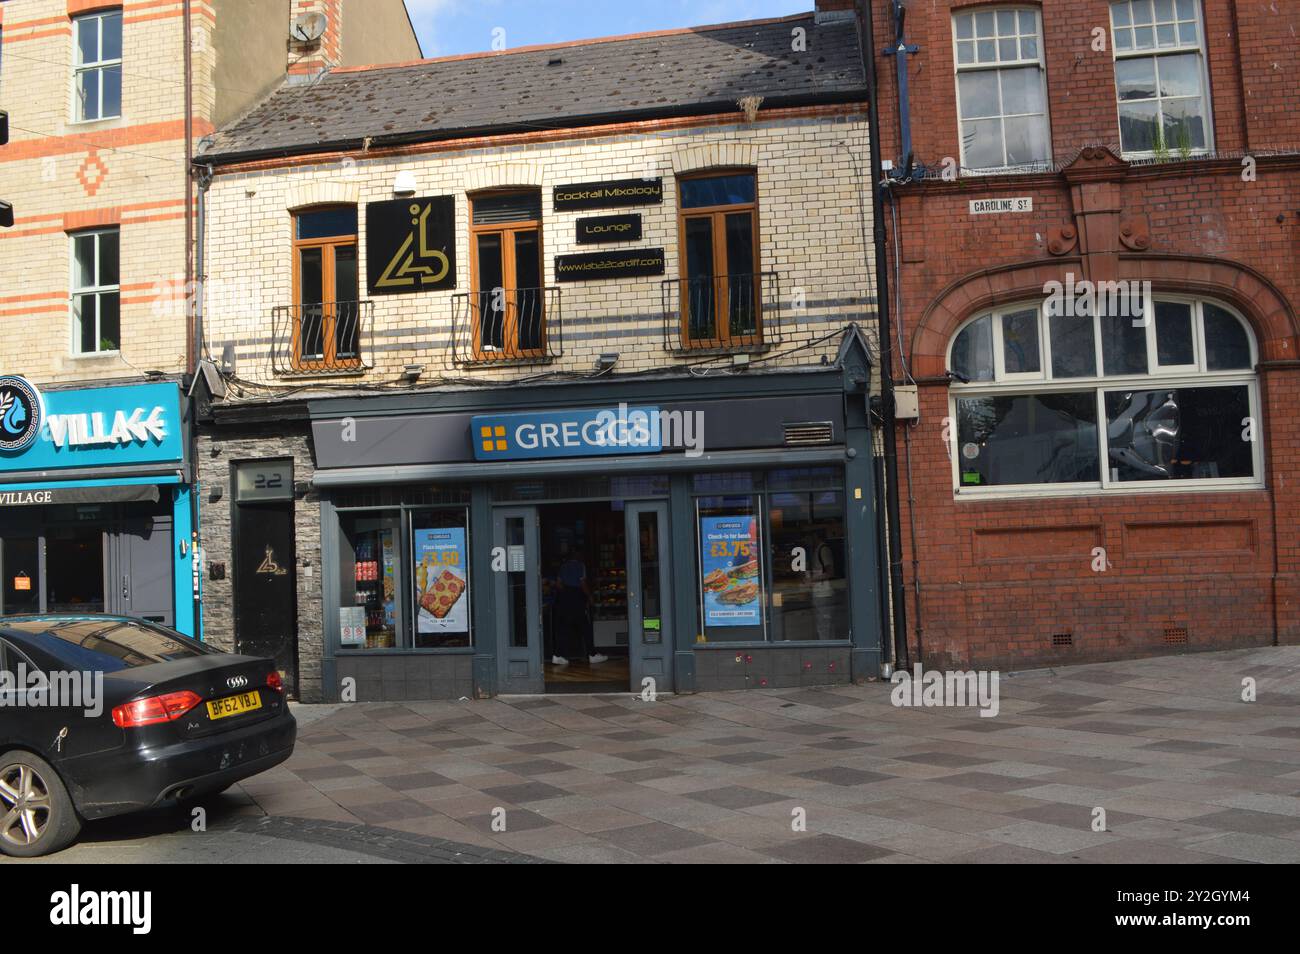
point(584, 597)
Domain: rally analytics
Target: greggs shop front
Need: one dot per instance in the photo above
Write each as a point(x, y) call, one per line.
point(669, 534)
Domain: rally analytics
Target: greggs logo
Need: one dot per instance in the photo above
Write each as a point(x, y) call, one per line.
point(583, 432)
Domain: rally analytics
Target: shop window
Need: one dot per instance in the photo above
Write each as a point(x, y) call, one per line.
point(96, 293)
point(721, 288)
point(732, 594)
point(771, 552)
point(20, 560)
point(1175, 404)
point(327, 311)
point(405, 580)
point(1160, 78)
point(506, 254)
point(440, 594)
point(370, 614)
point(810, 597)
point(1001, 89)
point(97, 70)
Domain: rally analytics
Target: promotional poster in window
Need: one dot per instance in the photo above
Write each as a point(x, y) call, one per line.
point(440, 585)
point(729, 571)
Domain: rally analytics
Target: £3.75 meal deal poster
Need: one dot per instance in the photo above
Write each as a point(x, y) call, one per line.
point(441, 586)
point(729, 571)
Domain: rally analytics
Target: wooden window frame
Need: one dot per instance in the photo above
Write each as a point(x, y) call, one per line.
point(506, 231)
point(330, 361)
point(723, 338)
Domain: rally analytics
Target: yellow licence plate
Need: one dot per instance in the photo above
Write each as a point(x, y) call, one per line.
point(234, 705)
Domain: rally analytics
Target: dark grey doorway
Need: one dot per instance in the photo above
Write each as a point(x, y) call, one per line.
point(266, 606)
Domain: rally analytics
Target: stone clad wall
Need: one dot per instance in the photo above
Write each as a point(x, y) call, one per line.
point(217, 449)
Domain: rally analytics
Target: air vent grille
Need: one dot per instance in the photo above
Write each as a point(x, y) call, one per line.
point(1176, 636)
point(809, 432)
point(1063, 639)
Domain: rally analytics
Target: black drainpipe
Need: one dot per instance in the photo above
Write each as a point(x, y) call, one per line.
point(897, 592)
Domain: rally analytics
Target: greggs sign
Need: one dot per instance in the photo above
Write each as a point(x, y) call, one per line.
point(581, 432)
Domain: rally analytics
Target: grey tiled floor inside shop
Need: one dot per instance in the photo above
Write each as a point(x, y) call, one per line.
point(1185, 771)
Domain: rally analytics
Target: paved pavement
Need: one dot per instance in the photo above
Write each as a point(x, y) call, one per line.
point(1185, 771)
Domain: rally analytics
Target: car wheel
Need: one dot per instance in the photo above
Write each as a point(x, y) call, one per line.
point(36, 815)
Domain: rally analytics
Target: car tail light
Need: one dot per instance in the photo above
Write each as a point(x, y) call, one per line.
point(275, 680)
point(155, 709)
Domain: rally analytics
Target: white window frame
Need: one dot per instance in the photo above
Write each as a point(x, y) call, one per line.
point(96, 291)
point(998, 66)
point(1157, 377)
point(97, 66)
point(1155, 54)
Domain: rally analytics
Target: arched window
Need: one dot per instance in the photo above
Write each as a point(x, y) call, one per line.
point(1077, 396)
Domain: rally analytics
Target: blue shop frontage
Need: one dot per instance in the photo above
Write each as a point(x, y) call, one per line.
point(96, 513)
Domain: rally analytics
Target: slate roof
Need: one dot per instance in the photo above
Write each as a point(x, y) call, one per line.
point(697, 71)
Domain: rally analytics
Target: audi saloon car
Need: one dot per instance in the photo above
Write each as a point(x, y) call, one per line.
point(104, 715)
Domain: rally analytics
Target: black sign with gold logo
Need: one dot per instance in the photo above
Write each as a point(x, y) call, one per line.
point(623, 263)
point(609, 228)
point(604, 195)
point(411, 245)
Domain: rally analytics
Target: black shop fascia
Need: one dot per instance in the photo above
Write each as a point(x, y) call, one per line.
point(719, 533)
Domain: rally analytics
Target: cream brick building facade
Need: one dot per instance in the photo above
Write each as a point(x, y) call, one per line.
point(130, 171)
point(106, 103)
point(813, 219)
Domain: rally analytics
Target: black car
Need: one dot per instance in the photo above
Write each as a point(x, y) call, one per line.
point(132, 715)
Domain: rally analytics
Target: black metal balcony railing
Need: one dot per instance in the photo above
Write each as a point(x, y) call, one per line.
point(506, 326)
point(722, 312)
point(329, 337)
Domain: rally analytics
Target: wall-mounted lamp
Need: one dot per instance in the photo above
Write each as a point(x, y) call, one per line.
point(607, 361)
point(404, 183)
point(411, 373)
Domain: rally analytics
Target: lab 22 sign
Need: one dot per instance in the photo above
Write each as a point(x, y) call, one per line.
point(585, 432)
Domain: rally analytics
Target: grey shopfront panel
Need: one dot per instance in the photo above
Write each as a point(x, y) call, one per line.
point(405, 439)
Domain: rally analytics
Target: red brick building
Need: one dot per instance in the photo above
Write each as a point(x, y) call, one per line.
point(1097, 485)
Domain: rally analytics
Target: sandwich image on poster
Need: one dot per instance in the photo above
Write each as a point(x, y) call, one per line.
point(441, 586)
point(729, 571)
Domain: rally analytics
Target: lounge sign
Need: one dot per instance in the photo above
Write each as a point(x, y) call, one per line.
point(624, 263)
point(411, 245)
point(581, 432)
point(609, 228)
point(606, 195)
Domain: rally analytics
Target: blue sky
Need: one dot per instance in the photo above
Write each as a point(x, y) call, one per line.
point(447, 27)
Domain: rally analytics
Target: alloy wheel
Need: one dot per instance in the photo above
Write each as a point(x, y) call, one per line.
point(24, 804)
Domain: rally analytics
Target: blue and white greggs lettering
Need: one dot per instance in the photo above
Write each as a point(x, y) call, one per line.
point(581, 432)
point(88, 427)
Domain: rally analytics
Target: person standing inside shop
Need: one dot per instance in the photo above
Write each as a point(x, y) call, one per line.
point(572, 614)
point(823, 572)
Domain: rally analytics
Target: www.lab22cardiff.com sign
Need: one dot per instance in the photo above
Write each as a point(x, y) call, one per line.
point(88, 427)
